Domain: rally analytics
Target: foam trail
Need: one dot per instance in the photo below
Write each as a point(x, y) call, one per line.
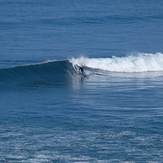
point(141, 62)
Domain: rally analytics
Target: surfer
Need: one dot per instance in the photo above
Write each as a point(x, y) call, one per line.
point(81, 70)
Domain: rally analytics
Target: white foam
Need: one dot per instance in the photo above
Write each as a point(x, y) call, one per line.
point(141, 62)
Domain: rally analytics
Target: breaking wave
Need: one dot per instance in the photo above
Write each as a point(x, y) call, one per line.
point(62, 71)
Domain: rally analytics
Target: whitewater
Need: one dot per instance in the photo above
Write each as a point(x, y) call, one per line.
point(141, 62)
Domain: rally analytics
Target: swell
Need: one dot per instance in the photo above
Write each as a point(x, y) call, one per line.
point(47, 72)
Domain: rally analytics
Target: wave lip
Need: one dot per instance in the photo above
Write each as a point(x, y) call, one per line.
point(141, 62)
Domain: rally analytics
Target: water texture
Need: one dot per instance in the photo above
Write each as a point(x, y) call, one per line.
point(49, 112)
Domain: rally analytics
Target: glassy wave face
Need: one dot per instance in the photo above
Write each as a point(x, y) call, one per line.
point(45, 73)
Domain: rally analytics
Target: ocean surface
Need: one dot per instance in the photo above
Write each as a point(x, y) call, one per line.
point(49, 113)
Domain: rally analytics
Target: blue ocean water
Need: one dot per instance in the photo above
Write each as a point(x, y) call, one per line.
point(51, 113)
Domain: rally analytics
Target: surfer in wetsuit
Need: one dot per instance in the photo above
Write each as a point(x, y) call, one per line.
point(81, 70)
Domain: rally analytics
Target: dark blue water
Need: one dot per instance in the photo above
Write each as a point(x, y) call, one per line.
point(50, 112)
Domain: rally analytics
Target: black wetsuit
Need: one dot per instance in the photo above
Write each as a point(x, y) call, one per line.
point(81, 70)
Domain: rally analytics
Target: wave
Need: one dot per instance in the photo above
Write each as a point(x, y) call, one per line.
point(41, 73)
point(140, 62)
point(62, 71)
